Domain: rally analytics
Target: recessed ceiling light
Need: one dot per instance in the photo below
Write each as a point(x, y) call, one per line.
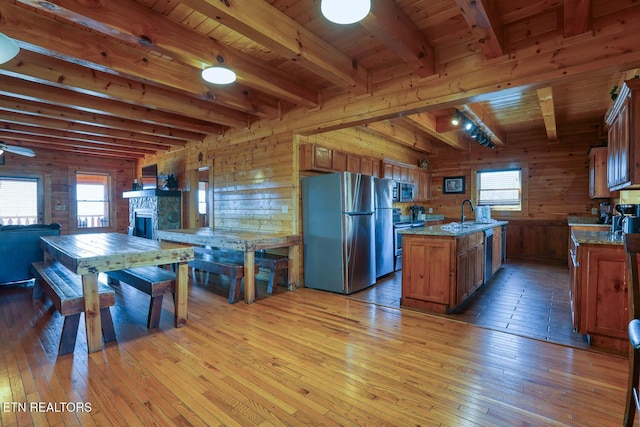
point(219, 75)
point(8, 49)
point(345, 11)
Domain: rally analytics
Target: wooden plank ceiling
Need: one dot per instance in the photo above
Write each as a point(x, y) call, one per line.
point(121, 79)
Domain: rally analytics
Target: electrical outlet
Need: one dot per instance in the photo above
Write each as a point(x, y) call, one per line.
point(285, 209)
point(430, 210)
point(61, 208)
point(594, 211)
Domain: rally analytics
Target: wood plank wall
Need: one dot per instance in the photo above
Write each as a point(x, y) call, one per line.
point(54, 174)
point(557, 187)
point(257, 183)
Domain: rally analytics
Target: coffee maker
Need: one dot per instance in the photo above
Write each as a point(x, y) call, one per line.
point(604, 216)
point(627, 221)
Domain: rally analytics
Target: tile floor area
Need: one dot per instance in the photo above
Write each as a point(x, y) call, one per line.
point(525, 298)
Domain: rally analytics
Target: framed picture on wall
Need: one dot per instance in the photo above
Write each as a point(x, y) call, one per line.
point(453, 185)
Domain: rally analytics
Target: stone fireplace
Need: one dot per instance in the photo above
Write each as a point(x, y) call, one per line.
point(153, 210)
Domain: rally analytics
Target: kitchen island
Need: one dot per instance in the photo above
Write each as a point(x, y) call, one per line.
point(599, 295)
point(444, 265)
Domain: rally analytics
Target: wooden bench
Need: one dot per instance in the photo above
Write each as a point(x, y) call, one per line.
point(64, 288)
point(211, 263)
point(153, 281)
point(266, 261)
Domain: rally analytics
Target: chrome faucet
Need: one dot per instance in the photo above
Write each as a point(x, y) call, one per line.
point(462, 210)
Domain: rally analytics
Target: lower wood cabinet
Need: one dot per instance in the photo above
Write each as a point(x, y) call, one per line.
point(439, 273)
point(599, 294)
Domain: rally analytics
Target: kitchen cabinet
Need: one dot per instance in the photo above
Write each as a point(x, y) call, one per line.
point(440, 273)
point(338, 161)
point(318, 158)
point(353, 163)
point(496, 262)
point(598, 183)
point(315, 157)
point(369, 166)
point(599, 294)
point(624, 133)
point(469, 265)
point(423, 193)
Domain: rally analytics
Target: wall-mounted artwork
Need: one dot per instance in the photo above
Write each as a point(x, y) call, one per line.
point(453, 185)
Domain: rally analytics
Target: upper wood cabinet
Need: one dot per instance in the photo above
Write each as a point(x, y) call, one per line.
point(624, 137)
point(338, 161)
point(315, 157)
point(598, 183)
point(423, 193)
point(318, 158)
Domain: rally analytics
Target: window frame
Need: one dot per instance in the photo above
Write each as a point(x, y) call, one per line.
point(524, 194)
point(43, 208)
point(73, 197)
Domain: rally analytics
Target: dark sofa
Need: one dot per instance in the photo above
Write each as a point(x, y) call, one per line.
point(19, 247)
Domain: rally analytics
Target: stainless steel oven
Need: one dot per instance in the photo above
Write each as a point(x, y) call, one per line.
point(397, 244)
point(397, 240)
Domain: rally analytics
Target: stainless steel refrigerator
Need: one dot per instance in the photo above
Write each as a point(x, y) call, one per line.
point(383, 220)
point(338, 232)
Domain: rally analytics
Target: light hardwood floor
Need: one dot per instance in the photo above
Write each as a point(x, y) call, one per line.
point(297, 358)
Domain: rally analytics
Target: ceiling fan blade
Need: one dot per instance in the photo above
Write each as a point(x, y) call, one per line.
point(18, 150)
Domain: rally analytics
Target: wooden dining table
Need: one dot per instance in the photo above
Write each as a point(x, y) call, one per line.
point(89, 254)
point(246, 241)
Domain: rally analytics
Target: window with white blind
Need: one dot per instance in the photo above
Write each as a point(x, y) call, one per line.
point(19, 198)
point(501, 189)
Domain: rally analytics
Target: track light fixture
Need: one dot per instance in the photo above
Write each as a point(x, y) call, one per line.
point(457, 118)
point(471, 129)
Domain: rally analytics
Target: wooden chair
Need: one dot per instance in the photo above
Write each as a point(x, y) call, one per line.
point(632, 247)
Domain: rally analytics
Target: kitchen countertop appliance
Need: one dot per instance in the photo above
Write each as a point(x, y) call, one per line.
point(624, 211)
point(604, 213)
point(338, 232)
point(383, 220)
point(399, 224)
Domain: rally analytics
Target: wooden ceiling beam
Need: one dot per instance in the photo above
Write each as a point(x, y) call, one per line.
point(77, 117)
point(46, 143)
point(74, 43)
point(484, 21)
point(23, 89)
point(391, 26)
point(138, 25)
point(402, 136)
point(100, 140)
point(38, 68)
point(266, 25)
point(577, 17)
point(545, 96)
point(428, 123)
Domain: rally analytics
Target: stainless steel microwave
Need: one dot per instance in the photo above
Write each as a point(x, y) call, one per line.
point(405, 192)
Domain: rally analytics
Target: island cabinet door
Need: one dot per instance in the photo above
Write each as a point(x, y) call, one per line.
point(606, 292)
point(427, 272)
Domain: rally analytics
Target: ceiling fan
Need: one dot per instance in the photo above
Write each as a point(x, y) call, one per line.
point(16, 150)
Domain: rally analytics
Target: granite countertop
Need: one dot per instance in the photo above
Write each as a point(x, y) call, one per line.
point(585, 221)
point(584, 237)
point(582, 220)
point(438, 230)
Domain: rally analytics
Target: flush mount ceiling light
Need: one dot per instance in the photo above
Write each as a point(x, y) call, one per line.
point(8, 49)
point(345, 11)
point(219, 75)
